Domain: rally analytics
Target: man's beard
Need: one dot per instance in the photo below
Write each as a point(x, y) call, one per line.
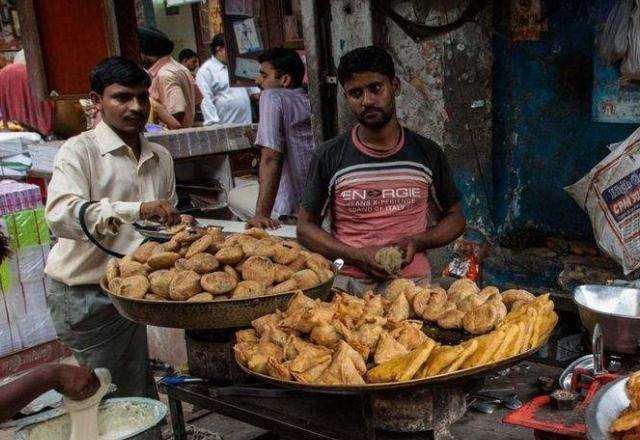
point(378, 122)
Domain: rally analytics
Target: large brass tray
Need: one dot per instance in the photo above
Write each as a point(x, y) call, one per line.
point(207, 315)
point(458, 376)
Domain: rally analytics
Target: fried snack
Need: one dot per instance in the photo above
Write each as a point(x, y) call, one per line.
point(421, 302)
point(501, 309)
point(402, 368)
point(316, 262)
point(387, 349)
point(170, 246)
point(173, 230)
point(181, 264)
point(183, 250)
point(201, 263)
point(231, 271)
point(451, 319)
point(510, 335)
point(248, 289)
point(299, 263)
point(129, 268)
point(114, 285)
point(201, 297)
point(469, 303)
point(325, 334)
point(488, 292)
point(160, 281)
point(230, 254)
point(391, 259)
point(397, 287)
point(469, 348)
point(144, 251)
point(513, 295)
point(306, 279)
point(135, 287)
point(487, 346)
point(342, 370)
point(629, 419)
point(519, 341)
point(437, 305)
point(259, 269)
point(187, 236)
point(163, 260)
point(481, 320)
point(409, 334)
point(460, 288)
point(218, 283)
point(285, 286)
point(153, 297)
point(399, 310)
point(199, 246)
point(439, 360)
point(286, 252)
point(113, 270)
point(281, 273)
point(549, 323)
point(530, 322)
point(184, 285)
point(257, 233)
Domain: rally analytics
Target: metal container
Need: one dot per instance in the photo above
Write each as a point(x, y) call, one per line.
point(616, 309)
point(605, 408)
point(157, 412)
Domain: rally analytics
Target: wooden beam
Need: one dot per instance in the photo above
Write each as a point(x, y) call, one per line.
point(31, 45)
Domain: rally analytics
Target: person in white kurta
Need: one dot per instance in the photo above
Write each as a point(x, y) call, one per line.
point(222, 104)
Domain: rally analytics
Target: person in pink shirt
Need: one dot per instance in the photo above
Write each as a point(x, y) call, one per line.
point(377, 183)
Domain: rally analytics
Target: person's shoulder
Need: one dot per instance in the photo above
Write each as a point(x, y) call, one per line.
point(427, 146)
point(332, 147)
point(161, 151)
point(80, 143)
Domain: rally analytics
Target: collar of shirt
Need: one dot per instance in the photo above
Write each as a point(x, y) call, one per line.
point(153, 71)
point(109, 142)
point(216, 64)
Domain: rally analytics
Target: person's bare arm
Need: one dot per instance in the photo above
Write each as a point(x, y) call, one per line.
point(269, 179)
point(451, 226)
point(77, 383)
point(312, 236)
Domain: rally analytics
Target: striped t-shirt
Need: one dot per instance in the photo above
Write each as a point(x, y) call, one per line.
point(375, 200)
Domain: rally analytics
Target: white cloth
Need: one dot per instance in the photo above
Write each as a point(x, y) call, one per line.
point(222, 104)
point(84, 413)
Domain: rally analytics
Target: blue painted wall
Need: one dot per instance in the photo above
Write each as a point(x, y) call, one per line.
point(544, 137)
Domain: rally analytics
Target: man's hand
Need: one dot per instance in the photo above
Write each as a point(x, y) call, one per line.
point(365, 259)
point(261, 221)
point(160, 211)
point(77, 383)
point(409, 248)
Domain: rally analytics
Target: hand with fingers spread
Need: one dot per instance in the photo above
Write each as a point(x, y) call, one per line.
point(260, 221)
point(161, 211)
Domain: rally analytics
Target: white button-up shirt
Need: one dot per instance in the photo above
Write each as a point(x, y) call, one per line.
point(222, 104)
point(98, 166)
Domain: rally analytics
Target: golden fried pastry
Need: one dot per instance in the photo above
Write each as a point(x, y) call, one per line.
point(187, 236)
point(324, 275)
point(183, 251)
point(114, 285)
point(259, 269)
point(437, 306)
point(440, 359)
point(286, 252)
point(496, 301)
point(247, 335)
point(154, 297)
point(248, 289)
point(199, 246)
point(135, 287)
point(390, 258)
point(627, 421)
point(421, 301)
point(262, 323)
point(181, 264)
point(399, 310)
point(257, 233)
point(113, 270)
point(404, 367)
point(513, 295)
point(325, 334)
point(170, 246)
point(511, 333)
point(285, 286)
point(316, 261)
point(399, 286)
point(409, 333)
point(282, 273)
point(469, 347)
point(202, 263)
point(278, 369)
point(160, 280)
point(463, 285)
point(129, 268)
point(249, 246)
point(218, 283)
point(174, 229)
point(488, 292)
point(163, 260)
point(215, 232)
point(201, 297)
point(487, 346)
point(306, 279)
point(387, 349)
point(480, 320)
point(632, 389)
point(299, 263)
point(230, 254)
point(144, 251)
point(469, 303)
point(231, 271)
point(184, 285)
point(451, 319)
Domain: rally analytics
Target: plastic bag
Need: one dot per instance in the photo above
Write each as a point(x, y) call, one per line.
point(610, 194)
point(613, 41)
point(630, 67)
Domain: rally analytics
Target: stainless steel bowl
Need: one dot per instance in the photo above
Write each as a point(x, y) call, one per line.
point(616, 309)
point(605, 409)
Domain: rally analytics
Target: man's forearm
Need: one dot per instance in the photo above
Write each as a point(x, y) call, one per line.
point(448, 229)
point(269, 179)
point(17, 394)
point(318, 240)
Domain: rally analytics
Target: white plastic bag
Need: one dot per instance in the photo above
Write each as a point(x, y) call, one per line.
point(610, 194)
point(630, 67)
point(613, 41)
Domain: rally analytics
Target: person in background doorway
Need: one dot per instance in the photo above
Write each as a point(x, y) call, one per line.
point(172, 85)
point(285, 140)
point(222, 104)
point(189, 59)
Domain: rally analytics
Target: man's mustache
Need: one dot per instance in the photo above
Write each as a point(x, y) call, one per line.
point(368, 110)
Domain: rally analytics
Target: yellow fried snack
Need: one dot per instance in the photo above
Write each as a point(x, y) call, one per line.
point(441, 357)
point(469, 347)
point(633, 390)
point(402, 368)
point(487, 346)
point(548, 324)
point(516, 346)
point(511, 333)
point(530, 322)
point(628, 420)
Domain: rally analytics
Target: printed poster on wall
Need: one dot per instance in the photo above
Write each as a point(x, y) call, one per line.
point(247, 68)
point(613, 100)
point(247, 37)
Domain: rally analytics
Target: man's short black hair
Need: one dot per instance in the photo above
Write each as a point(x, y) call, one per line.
point(285, 61)
point(154, 42)
point(216, 42)
point(186, 54)
point(117, 70)
point(365, 59)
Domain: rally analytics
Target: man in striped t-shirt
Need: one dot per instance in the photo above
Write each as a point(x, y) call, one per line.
point(377, 182)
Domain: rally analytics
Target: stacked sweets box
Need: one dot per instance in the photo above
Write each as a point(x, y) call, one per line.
point(24, 317)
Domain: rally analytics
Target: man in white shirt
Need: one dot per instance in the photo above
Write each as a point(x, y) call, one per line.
point(222, 104)
point(118, 177)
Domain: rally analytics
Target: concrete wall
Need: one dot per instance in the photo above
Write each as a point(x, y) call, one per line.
point(178, 27)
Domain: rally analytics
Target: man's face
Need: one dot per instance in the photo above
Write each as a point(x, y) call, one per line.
point(148, 61)
point(125, 109)
point(221, 55)
point(371, 98)
point(191, 63)
point(270, 78)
